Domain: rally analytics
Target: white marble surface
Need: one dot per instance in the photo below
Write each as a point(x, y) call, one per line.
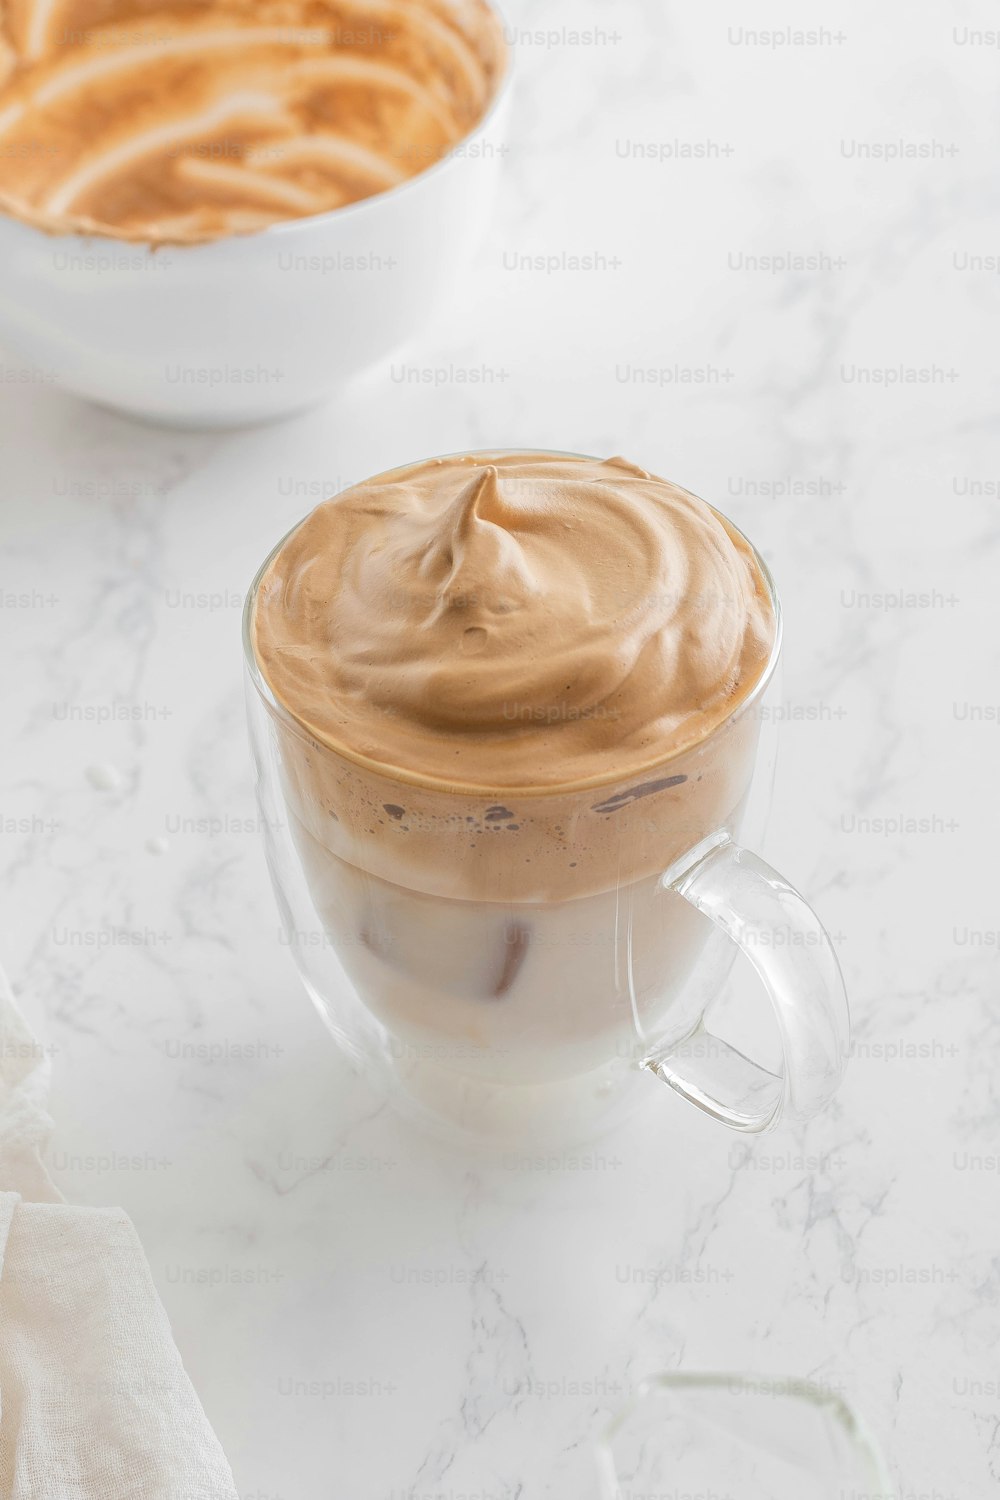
point(468, 1327)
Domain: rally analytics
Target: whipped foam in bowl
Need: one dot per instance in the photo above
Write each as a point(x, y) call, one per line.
point(189, 121)
point(513, 675)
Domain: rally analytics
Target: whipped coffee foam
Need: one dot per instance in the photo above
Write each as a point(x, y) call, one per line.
point(201, 118)
point(513, 621)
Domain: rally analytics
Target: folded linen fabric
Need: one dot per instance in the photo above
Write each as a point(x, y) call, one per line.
point(95, 1403)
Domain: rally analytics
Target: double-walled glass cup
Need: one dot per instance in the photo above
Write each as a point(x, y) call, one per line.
point(742, 1437)
point(496, 957)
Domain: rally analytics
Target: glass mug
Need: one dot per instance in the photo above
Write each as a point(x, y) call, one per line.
point(468, 951)
point(740, 1437)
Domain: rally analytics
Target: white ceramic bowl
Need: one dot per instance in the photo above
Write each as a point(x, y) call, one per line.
point(253, 326)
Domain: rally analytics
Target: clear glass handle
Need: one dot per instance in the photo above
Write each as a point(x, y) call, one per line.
point(791, 951)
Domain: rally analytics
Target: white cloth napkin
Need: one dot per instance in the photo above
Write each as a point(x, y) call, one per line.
point(94, 1401)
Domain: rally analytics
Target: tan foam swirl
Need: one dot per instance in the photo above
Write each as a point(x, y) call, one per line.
point(200, 118)
point(510, 621)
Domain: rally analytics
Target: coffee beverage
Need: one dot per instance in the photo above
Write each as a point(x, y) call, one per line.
point(188, 121)
point(507, 694)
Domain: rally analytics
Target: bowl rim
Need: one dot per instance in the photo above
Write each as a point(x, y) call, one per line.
point(360, 206)
point(453, 785)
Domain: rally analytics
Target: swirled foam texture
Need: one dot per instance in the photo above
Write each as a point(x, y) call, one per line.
point(513, 621)
point(201, 118)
